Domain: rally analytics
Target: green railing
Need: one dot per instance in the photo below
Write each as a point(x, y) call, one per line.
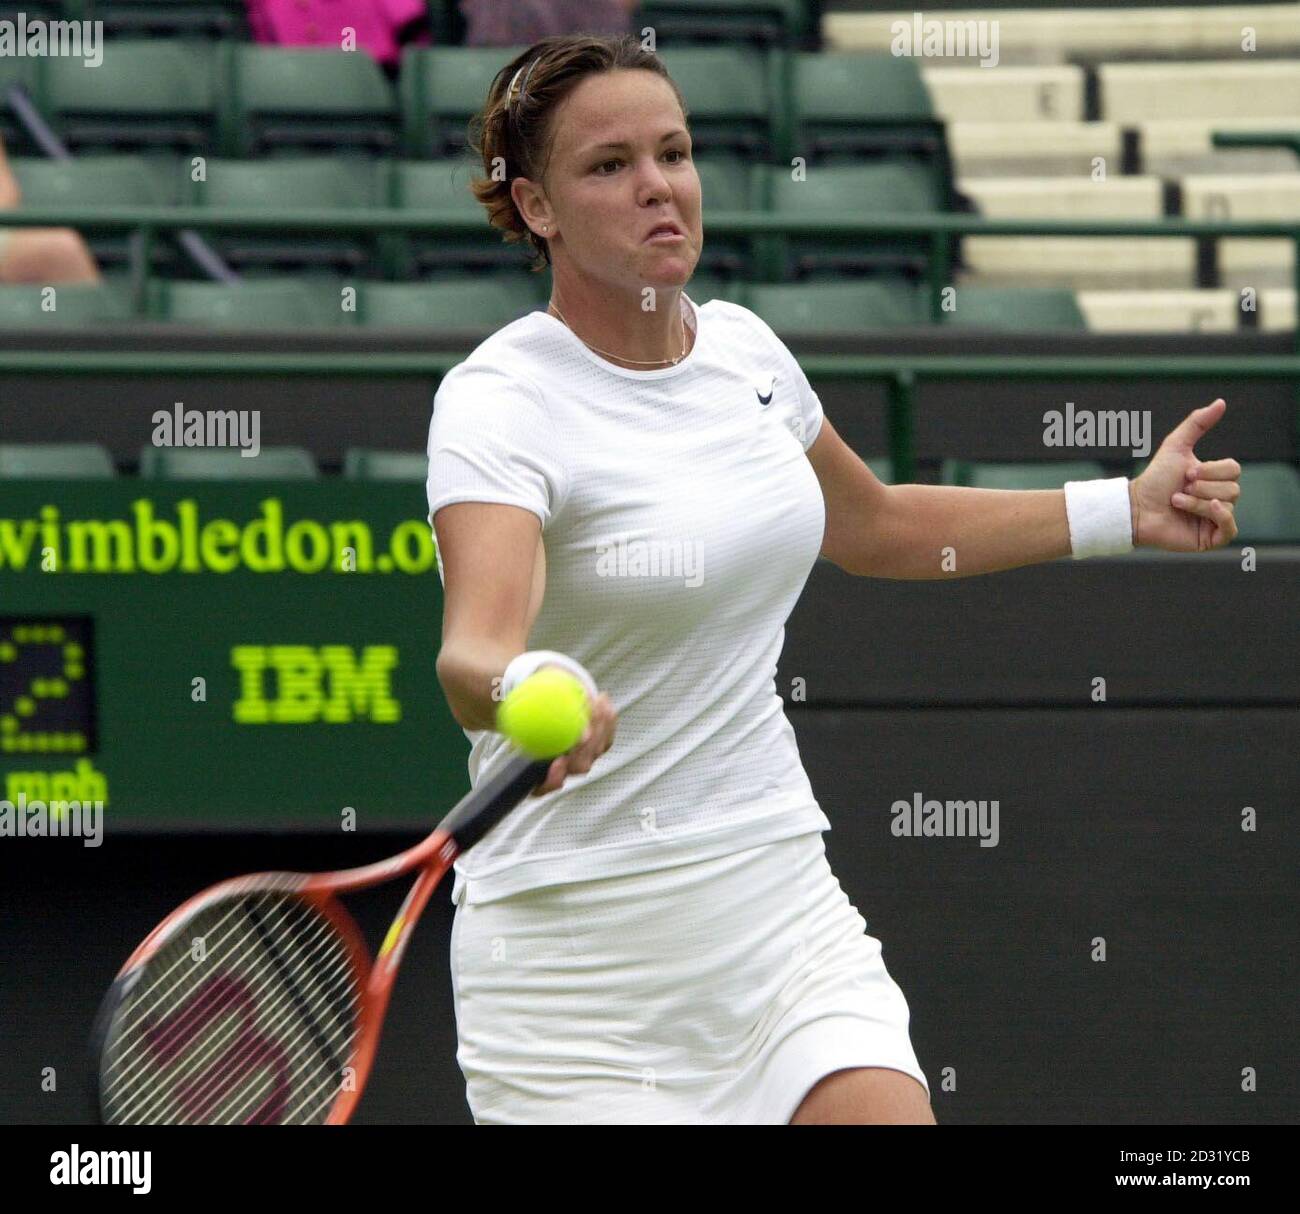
point(901, 374)
point(1258, 139)
point(764, 230)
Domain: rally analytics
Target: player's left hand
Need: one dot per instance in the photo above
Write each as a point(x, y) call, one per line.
point(1179, 503)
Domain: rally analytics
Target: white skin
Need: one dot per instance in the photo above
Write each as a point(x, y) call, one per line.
point(594, 205)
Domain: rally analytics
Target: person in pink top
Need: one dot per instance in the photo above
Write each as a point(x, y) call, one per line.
point(381, 27)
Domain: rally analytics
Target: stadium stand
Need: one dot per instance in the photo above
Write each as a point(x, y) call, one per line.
point(1108, 116)
point(55, 461)
point(198, 464)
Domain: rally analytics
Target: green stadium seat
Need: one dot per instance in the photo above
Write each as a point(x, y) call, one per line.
point(1024, 309)
point(44, 10)
point(728, 183)
point(308, 99)
point(733, 97)
point(227, 464)
point(309, 183)
point(146, 94)
point(704, 287)
point(851, 105)
point(852, 191)
point(769, 22)
point(361, 464)
point(836, 308)
point(29, 72)
point(173, 19)
point(271, 303)
point(444, 185)
point(466, 303)
point(111, 181)
point(1268, 511)
point(440, 88)
point(72, 305)
point(1046, 475)
point(55, 461)
point(851, 101)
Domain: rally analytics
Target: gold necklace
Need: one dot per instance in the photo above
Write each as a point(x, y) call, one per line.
point(607, 354)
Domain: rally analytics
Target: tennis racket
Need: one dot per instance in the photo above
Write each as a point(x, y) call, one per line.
point(256, 1003)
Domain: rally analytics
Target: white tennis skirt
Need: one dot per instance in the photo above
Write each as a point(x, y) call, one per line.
point(716, 992)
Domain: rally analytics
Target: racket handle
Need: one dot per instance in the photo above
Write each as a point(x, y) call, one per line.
point(482, 808)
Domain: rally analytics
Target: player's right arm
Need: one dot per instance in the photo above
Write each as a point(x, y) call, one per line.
point(494, 579)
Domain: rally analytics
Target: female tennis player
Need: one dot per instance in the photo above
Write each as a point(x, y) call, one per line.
point(636, 488)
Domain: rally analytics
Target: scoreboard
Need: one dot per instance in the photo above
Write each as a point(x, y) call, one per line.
point(47, 696)
point(224, 654)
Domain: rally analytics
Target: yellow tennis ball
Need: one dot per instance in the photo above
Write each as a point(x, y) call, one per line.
point(546, 714)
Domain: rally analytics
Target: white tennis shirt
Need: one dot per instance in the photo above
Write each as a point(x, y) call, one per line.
point(680, 518)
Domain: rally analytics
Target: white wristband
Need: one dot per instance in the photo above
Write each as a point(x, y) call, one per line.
point(529, 663)
point(1100, 517)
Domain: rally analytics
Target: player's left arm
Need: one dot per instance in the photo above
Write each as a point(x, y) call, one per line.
point(1179, 503)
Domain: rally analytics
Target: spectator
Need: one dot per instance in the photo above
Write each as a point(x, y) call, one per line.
point(39, 255)
point(381, 26)
point(523, 22)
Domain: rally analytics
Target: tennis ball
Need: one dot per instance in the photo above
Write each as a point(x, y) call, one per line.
point(546, 714)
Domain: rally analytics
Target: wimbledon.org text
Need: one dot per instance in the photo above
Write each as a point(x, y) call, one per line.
point(183, 541)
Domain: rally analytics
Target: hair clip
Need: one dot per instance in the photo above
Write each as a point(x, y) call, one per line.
point(523, 88)
point(510, 92)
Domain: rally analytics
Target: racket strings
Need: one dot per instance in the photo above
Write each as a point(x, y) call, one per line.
point(259, 1029)
point(157, 977)
point(204, 1055)
point(162, 992)
point(252, 1050)
point(241, 1060)
point(227, 1012)
point(231, 1050)
point(274, 1006)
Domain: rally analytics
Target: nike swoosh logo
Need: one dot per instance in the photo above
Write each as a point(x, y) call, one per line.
point(771, 388)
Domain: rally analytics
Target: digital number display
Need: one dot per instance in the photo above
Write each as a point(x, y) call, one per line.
point(47, 699)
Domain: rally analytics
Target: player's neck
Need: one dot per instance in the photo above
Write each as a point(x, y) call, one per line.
point(625, 330)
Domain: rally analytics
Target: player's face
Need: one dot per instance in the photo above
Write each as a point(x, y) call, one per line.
point(605, 200)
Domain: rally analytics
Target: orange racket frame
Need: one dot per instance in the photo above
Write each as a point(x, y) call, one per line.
point(472, 817)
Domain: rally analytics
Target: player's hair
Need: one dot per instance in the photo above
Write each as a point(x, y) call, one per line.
point(513, 131)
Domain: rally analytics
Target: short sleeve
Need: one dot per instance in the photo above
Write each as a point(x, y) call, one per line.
point(809, 414)
point(810, 406)
point(491, 440)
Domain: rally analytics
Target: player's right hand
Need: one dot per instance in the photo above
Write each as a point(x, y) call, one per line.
point(596, 739)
